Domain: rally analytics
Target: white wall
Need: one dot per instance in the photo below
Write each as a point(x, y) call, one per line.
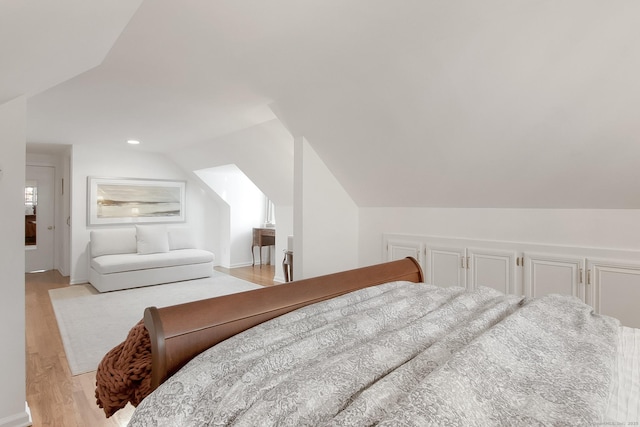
point(65, 247)
point(599, 228)
point(284, 229)
point(130, 163)
point(246, 210)
point(12, 303)
point(325, 218)
point(264, 153)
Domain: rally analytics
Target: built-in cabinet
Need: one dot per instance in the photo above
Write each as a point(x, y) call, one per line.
point(472, 267)
point(450, 265)
point(547, 273)
point(606, 279)
point(398, 249)
point(614, 289)
point(610, 286)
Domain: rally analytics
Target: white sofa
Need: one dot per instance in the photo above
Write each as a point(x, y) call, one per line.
point(146, 255)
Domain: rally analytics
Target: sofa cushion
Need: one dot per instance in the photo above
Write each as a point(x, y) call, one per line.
point(130, 262)
point(181, 238)
point(113, 241)
point(152, 239)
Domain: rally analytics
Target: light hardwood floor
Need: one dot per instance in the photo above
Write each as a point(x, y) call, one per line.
point(55, 397)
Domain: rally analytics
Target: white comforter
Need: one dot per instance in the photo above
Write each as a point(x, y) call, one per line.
point(401, 354)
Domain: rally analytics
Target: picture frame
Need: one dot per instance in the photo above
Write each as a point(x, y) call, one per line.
point(134, 201)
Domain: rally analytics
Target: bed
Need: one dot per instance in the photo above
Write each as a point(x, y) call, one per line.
point(375, 346)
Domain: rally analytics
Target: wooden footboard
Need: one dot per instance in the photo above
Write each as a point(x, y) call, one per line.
point(180, 332)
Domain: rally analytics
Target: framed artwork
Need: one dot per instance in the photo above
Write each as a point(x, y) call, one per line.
point(134, 201)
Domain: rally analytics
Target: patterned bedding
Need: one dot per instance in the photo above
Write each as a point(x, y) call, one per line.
point(401, 354)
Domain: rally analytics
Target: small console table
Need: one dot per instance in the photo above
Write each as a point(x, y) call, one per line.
point(262, 237)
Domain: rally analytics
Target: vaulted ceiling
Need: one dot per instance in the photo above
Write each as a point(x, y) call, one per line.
point(459, 103)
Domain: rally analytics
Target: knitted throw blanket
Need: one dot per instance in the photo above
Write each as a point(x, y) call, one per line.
point(124, 374)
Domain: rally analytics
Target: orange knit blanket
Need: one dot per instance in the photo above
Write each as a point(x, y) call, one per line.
point(124, 374)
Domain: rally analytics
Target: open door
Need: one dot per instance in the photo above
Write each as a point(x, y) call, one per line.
point(39, 218)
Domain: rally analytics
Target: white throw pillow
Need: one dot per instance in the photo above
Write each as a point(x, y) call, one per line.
point(113, 241)
point(181, 238)
point(152, 239)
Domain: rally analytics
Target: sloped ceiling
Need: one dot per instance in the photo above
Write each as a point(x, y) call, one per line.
point(413, 103)
point(45, 43)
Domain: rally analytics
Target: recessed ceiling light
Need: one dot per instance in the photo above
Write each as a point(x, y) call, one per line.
point(133, 142)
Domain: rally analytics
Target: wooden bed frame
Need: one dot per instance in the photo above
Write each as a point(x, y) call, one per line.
point(180, 332)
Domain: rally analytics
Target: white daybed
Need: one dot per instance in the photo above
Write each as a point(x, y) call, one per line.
point(145, 255)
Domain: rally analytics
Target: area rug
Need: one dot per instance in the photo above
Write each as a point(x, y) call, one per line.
point(92, 323)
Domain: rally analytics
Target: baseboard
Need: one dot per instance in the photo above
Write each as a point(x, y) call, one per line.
point(247, 264)
point(23, 419)
point(279, 278)
point(240, 264)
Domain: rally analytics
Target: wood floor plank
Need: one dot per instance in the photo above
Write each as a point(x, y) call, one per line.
point(55, 397)
point(255, 274)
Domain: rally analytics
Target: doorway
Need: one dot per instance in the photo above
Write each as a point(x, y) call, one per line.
point(39, 218)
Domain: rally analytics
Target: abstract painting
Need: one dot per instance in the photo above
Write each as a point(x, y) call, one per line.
point(133, 200)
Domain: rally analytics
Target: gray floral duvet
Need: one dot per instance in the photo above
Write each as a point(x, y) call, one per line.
point(401, 354)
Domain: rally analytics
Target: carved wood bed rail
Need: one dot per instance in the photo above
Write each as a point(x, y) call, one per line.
point(180, 332)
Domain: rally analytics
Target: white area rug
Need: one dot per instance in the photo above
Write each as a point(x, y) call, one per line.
point(92, 323)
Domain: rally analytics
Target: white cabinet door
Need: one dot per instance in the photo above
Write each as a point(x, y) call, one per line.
point(615, 291)
point(446, 266)
point(492, 268)
point(553, 274)
point(400, 249)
